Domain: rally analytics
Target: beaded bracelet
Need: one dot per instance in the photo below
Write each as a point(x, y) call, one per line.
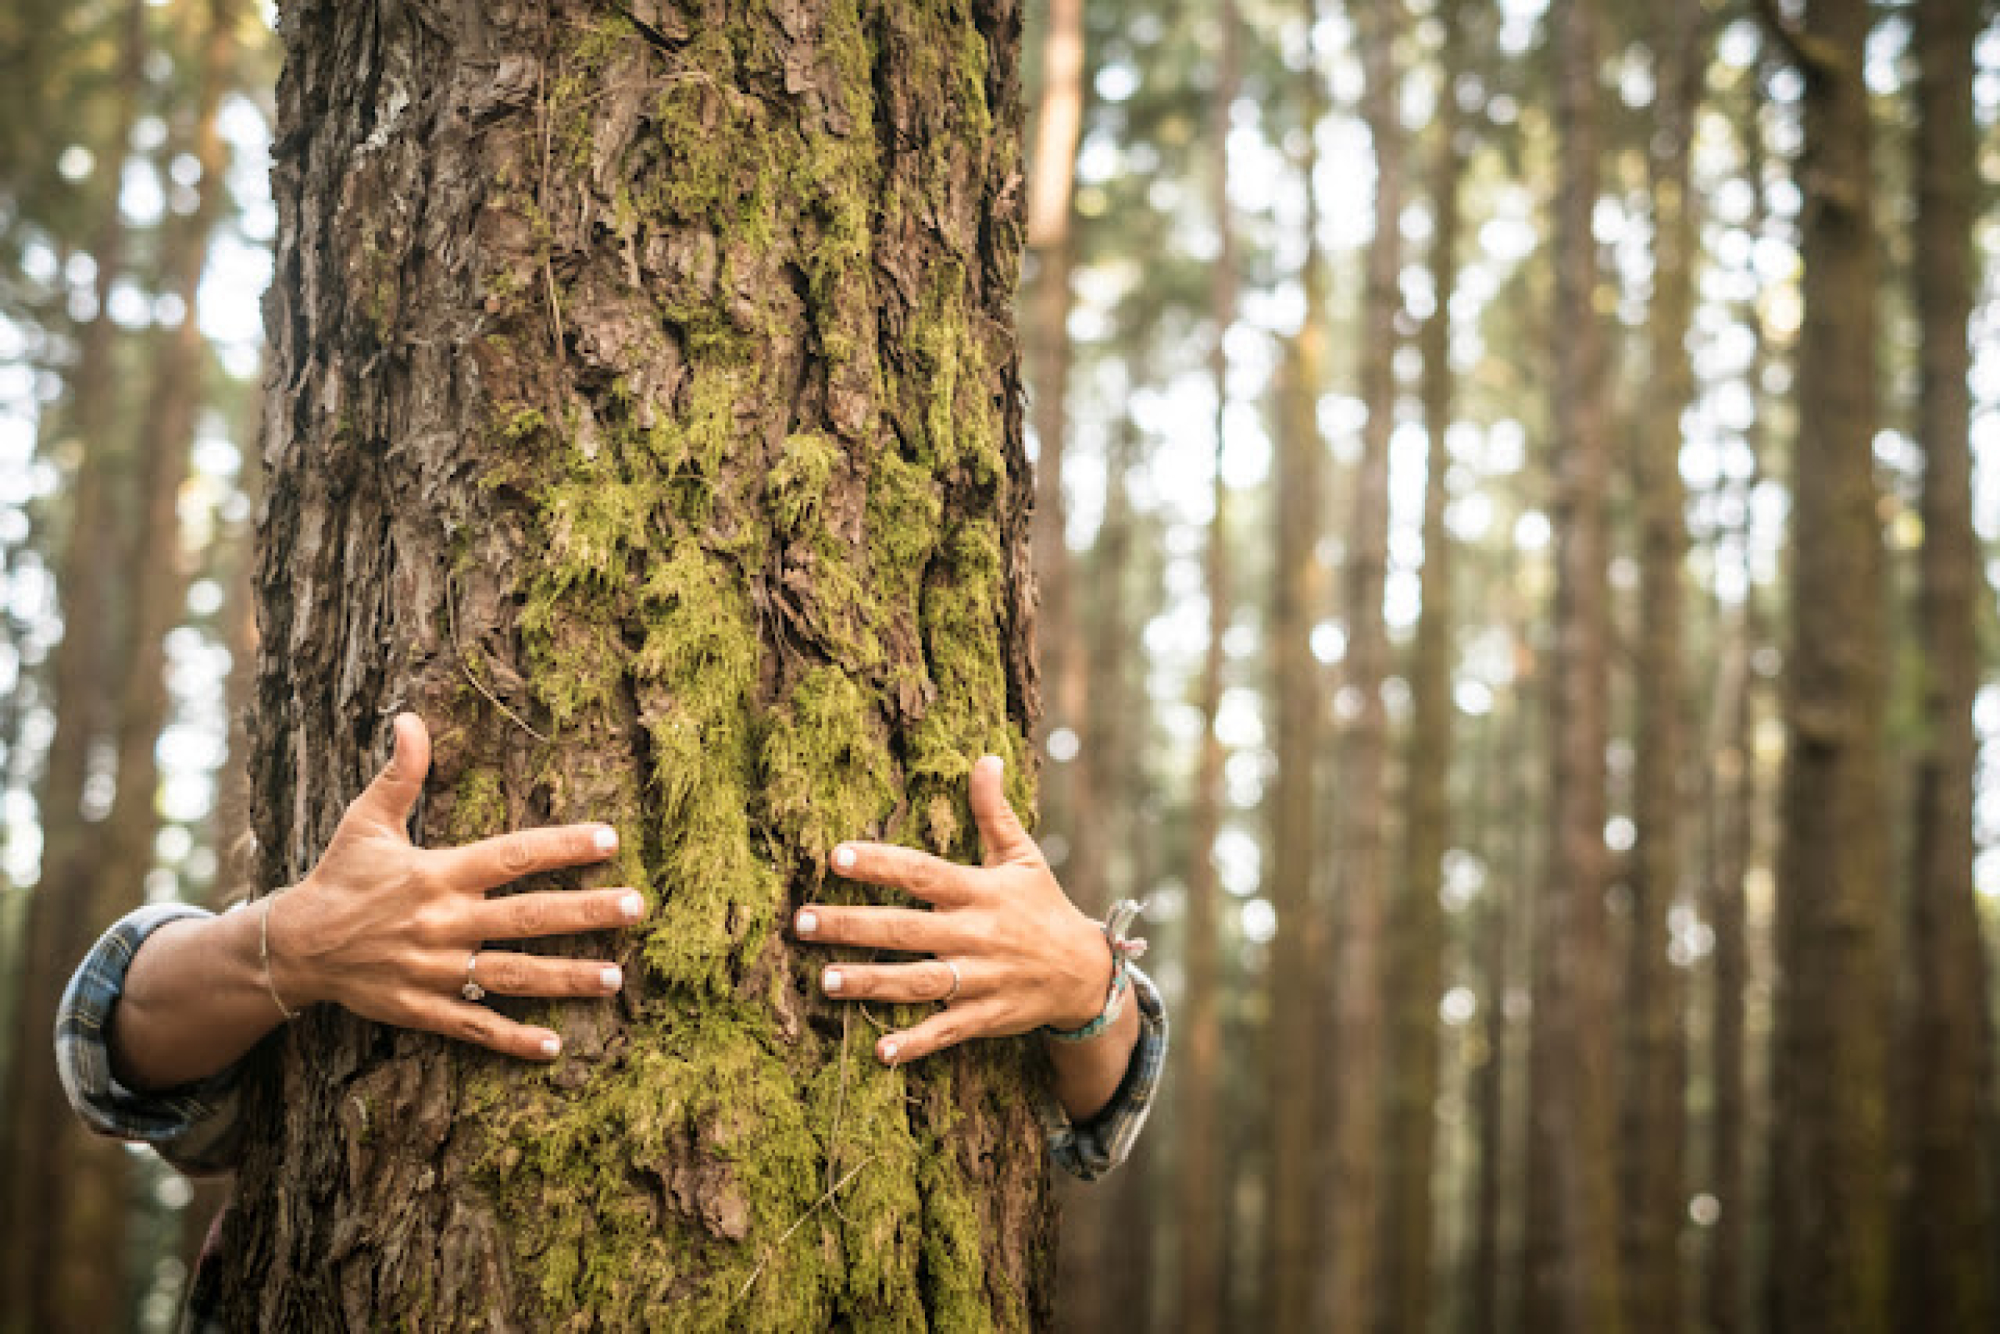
point(1124, 949)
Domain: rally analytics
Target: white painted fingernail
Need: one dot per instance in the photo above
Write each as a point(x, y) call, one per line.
point(551, 1046)
point(889, 1050)
point(606, 840)
point(830, 979)
point(808, 923)
point(633, 906)
point(844, 858)
point(612, 978)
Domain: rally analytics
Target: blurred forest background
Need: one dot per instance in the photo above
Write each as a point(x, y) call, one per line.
point(1517, 515)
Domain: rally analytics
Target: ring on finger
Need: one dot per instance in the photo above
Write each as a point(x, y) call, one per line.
point(472, 991)
point(956, 981)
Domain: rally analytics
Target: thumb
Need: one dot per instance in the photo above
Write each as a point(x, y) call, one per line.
point(394, 793)
point(1000, 831)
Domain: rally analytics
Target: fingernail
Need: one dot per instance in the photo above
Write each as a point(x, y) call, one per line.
point(612, 978)
point(995, 761)
point(808, 923)
point(606, 840)
point(830, 979)
point(889, 1050)
point(633, 906)
point(551, 1046)
point(844, 858)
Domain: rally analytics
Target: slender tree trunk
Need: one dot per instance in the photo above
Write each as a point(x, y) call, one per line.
point(38, 1124)
point(1052, 241)
point(1416, 928)
point(1830, 1239)
point(1293, 1248)
point(93, 1204)
point(1733, 789)
point(1350, 1276)
point(1573, 1205)
point(1203, 1179)
point(1945, 1232)
point(1652, 1148)
point(644, 412)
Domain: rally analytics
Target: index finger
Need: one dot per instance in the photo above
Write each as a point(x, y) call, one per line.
point(493, 862)
point(931, 879)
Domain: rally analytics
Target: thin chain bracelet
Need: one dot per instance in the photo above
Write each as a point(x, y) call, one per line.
point(264, 957)
point(1124, 949)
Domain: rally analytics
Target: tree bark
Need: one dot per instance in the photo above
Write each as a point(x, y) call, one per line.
point(1572, 1224)
point(1945, 1233)
point(40, 1134)
point(1292, 1242)
point(1653, 1130)
point(1350, 1277)
point(1830, 1232)
point(1202, 1194)
point(1416, 920)
point(644, 411)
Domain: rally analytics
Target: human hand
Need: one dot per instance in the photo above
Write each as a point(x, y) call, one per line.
point(393, 932)
point(1012, 952)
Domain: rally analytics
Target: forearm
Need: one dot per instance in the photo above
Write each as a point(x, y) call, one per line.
point(1088, 1073)
point(195, 1000)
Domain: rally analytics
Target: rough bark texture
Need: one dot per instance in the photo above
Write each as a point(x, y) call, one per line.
point(1291, 1242)
point(1359, 809)
point(1653, 1118)
point(1416, 919)
point(1945, 1231)
point(1572, 1222)
point(1830, 1227)
point(644, 412)
point(1202, 1182)
point(38, 1291)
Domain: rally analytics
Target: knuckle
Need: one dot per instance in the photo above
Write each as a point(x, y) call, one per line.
point(478, 1028)
point(530, 916)
point(506, 975)
point(517, 854)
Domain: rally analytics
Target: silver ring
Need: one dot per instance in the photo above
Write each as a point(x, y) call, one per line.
point(955, 981)
point(472, 991)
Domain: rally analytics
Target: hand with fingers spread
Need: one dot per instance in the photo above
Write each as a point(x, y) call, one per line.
point(389, 931)
point(1009, 952)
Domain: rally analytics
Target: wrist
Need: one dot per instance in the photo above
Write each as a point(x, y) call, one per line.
point(1095, 973)
point(284, 971)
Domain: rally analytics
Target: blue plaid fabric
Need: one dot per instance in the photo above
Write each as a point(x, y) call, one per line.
point(195, 1127)
point(1094, 1147)
point(198, 1128)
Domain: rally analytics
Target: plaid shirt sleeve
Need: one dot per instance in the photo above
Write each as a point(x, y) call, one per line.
point(1092, 1148)
point(196, 1126)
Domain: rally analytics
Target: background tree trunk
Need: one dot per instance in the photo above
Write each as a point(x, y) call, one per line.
point(1203, 1180)
point(1572, 1259)
point(1653, 1130)
point(41, 1137)
point(1416, 920)
point(1297, 1029)
point(1829, 1148)
point(1359, 809)
point(644, 412)
point(1945, 1234)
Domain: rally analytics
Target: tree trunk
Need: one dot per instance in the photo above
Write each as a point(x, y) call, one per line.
point(644, 412)
point(1203, 1180)
point(1945, 1234)
point(1653, 1132)
point(1573, 1207)
point(1292, 1245)
point(41, 1135)
point(1416, 922)
point(93, 1206)
point(1830, 1247)
point(1053, 243)
point(1360, 812)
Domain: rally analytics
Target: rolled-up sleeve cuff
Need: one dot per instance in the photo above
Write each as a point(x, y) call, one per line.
point(1089, 1149)
point(194, 1126)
